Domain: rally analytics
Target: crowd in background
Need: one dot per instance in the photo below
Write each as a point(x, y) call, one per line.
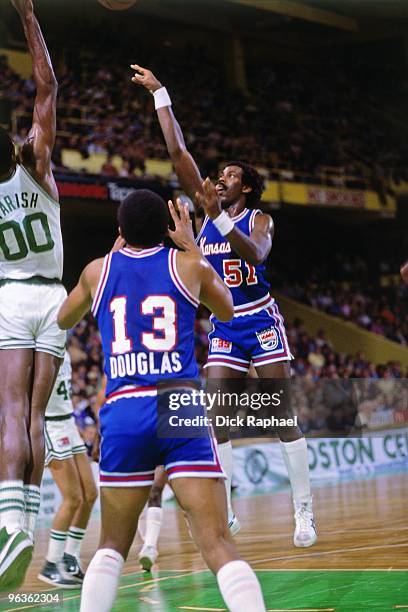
point(315, 363)
point(293, 119)
point(376, 301)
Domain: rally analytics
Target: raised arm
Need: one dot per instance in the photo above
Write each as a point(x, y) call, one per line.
point(36, 154)
point(184, 164)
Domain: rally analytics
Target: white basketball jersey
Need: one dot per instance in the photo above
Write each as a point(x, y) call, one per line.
point(30, 230)
point(60, 401)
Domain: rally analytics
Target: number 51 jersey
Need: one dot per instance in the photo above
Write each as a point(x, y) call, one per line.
point(30, 231)
point(247, 283)
point(146, 318)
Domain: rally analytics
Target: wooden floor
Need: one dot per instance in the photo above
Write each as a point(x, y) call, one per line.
point(361, 525)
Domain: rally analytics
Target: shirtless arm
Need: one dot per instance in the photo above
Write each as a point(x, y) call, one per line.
point(183, 162)
point(36, 153)
point(79, 301)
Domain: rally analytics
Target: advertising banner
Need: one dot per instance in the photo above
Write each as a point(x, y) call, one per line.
point(259, 466)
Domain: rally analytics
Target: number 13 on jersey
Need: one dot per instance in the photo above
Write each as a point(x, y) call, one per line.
point(163, 336)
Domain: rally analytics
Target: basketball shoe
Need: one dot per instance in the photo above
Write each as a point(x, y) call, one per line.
point(305, 530)
point(147, 557)
point(16, 551)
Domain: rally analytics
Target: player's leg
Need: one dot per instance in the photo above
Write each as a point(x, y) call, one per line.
point(65, 475)
point(16, 367)
point(127, 463)
point(204, 501)
point(223, 377)
point(46, 368)
point(295, 456)
point(80, 520)
point(120, 510)
point(152, 520)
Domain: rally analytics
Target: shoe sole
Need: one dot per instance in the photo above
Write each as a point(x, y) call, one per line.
point(14, 568)
point(57, 584)
point(146, 563)
point(78, 580)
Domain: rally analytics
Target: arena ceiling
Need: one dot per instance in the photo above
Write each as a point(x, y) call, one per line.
point(294, 23)
point(319, 21)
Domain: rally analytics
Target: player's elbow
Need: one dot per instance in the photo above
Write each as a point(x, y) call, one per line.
point(256, 257)
point(177, 152)
point(48, 86)
point(64, 319)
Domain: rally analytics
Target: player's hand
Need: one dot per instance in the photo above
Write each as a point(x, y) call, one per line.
point(119, 244)
point(23, 6)
point(182, 235)
point(209, 199)
point(146, 78)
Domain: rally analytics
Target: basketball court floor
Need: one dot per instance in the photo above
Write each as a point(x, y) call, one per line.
point(360, 562)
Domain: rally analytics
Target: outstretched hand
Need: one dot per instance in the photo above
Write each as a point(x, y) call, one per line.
point(208, 199)
point(146, 78)
point(23, 6)
point(182, 235)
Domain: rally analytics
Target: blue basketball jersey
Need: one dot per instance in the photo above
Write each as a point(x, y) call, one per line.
point(248, 285)
point(146, 318)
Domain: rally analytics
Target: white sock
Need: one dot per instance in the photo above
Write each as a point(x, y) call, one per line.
point(101, 581)
point(74, 541)
point(154, 517)
point(297, 463)
point(225, 456)
point(32, 499)
point(12, 505)
point(56, 545)
point(141, 525)
point(240, 587)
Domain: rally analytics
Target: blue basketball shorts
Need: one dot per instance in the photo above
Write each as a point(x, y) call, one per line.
point(131, 450)
point(259, 338)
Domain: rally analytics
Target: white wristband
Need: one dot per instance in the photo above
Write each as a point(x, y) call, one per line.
point(161, 98)
point(223, 223)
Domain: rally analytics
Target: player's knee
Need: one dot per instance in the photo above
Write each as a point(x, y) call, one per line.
point(91, 495)
point(289, 434)
point(155, 496)
point(73, 499)
point(221, 437)
point(14, 411)
point(14, 423)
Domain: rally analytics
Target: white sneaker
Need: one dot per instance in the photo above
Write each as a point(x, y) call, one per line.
point(234, 525)
point(147, 557)
point(305, 531)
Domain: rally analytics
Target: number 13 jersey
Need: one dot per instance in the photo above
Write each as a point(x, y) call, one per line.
point(146, 318)
point(248, 285)
point(30, 231)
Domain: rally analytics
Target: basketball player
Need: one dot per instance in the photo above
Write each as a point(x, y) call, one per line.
point(144, 298)
point(69, 464)
point(31, 344)
point(236, 238)
point(151, 517)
